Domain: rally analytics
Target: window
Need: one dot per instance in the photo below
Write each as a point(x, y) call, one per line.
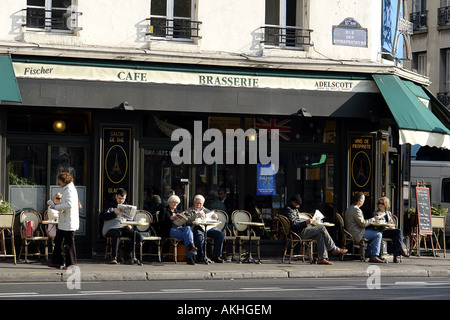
point(284, 24)
point(173, 19)
point(419, 15)
point(52, 15)
point(422, 64)
point(445, 197)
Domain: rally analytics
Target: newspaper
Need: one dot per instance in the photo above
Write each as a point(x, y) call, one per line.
point(180, 218)
point(127, 211)
point(318, 217)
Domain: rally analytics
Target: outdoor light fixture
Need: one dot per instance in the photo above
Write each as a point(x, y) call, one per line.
point(59, 126)
point(125, 106)
point(303, 113)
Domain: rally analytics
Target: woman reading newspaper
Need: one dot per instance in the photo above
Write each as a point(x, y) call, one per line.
point(176, 224)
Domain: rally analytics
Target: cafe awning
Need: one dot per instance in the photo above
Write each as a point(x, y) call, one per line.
point(409, 105)
point(9, 90)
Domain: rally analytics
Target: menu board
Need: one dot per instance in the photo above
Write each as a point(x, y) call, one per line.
point(424, 210)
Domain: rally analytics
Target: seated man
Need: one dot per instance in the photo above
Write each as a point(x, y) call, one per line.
point(305, 230)
point(112, 228)
point(199, 233)
point(356, 225)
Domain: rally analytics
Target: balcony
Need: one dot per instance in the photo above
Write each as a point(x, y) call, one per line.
point(286, 36)
point(419, 20)
point(443, 16)
point(52, 20)
point(182, 29)
point(444, 97)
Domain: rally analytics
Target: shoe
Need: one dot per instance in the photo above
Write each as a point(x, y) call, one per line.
point(191, 248)
point(200, 259)
point(339, 251)
point(54, 265)
point(376, 260)
point(403, 253)
point(190, 261)
point(113, 261)
point(395, 260)
point(218, 260)
point(324, 261)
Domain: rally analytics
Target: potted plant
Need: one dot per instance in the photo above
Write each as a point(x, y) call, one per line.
point(5, 206)
point(438, 210)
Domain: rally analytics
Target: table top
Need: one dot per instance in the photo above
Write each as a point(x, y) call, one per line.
point(134, 223)
point(206, 223)
point(251, 224)
point(382, 224)
point(49, 222)
point(326, 224)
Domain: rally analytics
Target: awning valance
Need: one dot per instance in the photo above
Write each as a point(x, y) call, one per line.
point(408, 104)
point(9, 90)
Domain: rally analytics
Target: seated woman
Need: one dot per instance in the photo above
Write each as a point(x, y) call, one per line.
point(390, 232)
point(171, 225)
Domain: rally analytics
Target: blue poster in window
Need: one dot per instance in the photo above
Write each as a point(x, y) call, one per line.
point(266, 179)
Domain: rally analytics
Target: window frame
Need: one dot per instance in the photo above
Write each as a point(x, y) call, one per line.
point(50, 26)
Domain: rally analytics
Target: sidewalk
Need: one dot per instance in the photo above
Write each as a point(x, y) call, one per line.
point(97, 270)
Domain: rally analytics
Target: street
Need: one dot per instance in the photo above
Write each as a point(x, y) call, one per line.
point(389, 288)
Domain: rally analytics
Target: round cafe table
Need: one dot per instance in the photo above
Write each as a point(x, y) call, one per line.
point(250, 224)
point(206, 224)
point(54, 222)
point(133, 223)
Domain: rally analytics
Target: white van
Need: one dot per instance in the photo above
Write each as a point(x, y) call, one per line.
point(436, 175)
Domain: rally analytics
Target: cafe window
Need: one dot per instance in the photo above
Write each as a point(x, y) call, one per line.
point(33, 179)
point(56, 122)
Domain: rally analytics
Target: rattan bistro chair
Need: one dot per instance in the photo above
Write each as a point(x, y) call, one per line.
point(242, 232)
point(347, 240)
point(7, 224)
point(292, 240)
point(38, 235)
point(223, 226)
point(148, 233)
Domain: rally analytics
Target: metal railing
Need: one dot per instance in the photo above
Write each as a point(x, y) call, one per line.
point(286, 36)
point(444, 97)
point(443, 16)
point(55, 19)
point(178, 28)
point(419, 20)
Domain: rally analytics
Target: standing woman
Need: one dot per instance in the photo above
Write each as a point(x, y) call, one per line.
point(390, 232)
point(68, 223)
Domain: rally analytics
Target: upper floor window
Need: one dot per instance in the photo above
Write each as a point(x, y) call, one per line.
point(173, 19)
point(52, 15)
point(419, 15)
point(444, 13)
point(284, 24)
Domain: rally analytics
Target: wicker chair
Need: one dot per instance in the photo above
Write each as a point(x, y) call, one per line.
point(7, 224)
point(148, 233)
point(347, 239)
point(292, 240)
point(38, 235)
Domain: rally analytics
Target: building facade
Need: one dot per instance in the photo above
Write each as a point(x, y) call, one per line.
point(104, 90)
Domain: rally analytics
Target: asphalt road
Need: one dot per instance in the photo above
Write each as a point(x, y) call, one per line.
point(263, 290)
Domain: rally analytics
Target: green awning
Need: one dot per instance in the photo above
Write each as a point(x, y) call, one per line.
point(408, 104)
point(9, 90)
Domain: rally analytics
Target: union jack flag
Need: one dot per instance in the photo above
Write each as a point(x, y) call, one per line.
point(283, 128)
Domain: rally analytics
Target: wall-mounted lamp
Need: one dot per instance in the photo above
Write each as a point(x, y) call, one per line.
point(124, 106)
point(59, 126)
point(303, 113)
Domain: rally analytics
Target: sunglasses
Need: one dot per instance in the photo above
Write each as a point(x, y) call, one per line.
point(58, 198)
point(381, 203)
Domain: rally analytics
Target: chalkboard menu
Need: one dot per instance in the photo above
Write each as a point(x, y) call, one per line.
point(424, 210)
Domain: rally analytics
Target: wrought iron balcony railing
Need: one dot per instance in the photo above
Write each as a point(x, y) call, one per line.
point(286, 36)
point(443, 16)
point(179, 28)
point(55, 19)
point(419, 20)
point(444, 97)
